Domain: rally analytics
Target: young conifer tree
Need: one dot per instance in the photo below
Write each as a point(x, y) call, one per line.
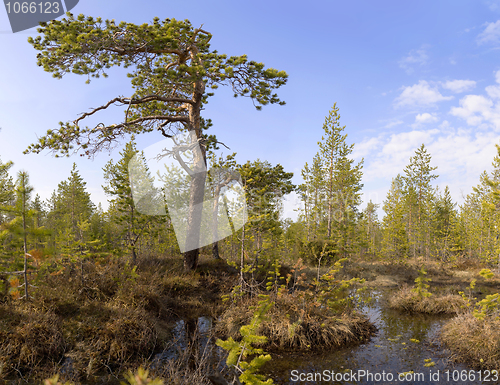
point(419, 197)
point(132, 223)
point(72, 207)
point(394, 235)
point(265, 186)
point(444, 224)
point(479, 218)
point(17, 229)
point(6, 186)
point(312, 194)
point(342, 182)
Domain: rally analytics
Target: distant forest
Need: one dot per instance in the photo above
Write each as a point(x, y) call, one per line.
point(419, 220)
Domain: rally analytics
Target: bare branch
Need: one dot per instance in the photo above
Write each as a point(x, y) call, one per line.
point(130, 101)
point(217, 142)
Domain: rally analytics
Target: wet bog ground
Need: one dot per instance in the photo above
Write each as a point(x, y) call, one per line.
point(405, 350)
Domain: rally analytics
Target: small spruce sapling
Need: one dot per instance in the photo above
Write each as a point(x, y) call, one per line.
point(246, 371)
point(421, 285)
point(331, 291)
point(489, 306)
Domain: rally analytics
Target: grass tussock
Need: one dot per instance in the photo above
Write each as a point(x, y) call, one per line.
point(408, 300)
point(100, 316)
point(293, 325)
point(29, 339)
point(474, 341)
point(190, 361)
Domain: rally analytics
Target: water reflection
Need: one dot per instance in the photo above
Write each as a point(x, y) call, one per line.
point(402, 344)
point(195, 337)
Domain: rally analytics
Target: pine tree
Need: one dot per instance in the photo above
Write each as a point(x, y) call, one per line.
point(444, 225)
point(331, 193)
point(419, 195)
point(492, 206)
point(479, 219)
point(173, 68)
point(265, 185)
point(38, 221)
point(370, 229)
point(312, 192)
point(394, 235)
point(17, 229)
point(6, 189)
point(342, 182)
point(222, 174)
point(69, 208)
point(129, 215)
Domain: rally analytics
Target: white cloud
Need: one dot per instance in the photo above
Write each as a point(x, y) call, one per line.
point(421, 94)
point(460, 155)
point(445, 126)
point(479, 110)
point(491, 34)
point(474, 109)
point(463, 154)
point(459, 86)
point(493, 5)
point(395, 151)
point(393, 123)
point(365, 147)
point(291, 204)
point(494, 91)
point(425, 118)
point(407, 141)
point(414, 57)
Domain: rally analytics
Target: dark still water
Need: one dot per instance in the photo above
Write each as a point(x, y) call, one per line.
point(405, 350)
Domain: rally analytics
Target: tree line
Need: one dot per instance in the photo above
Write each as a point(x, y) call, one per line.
point(70, 225)
point(420, 219)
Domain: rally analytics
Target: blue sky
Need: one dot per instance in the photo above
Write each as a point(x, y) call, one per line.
point(402, 74)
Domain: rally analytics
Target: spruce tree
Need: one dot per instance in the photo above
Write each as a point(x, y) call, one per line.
point(133, 224)
point(70, 207)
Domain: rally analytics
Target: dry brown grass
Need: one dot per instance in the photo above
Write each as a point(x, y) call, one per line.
point(29, 339)
point(407, 300)
point(293, 324)
point(474, 341)
point(188, 363)
point(109, 320)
